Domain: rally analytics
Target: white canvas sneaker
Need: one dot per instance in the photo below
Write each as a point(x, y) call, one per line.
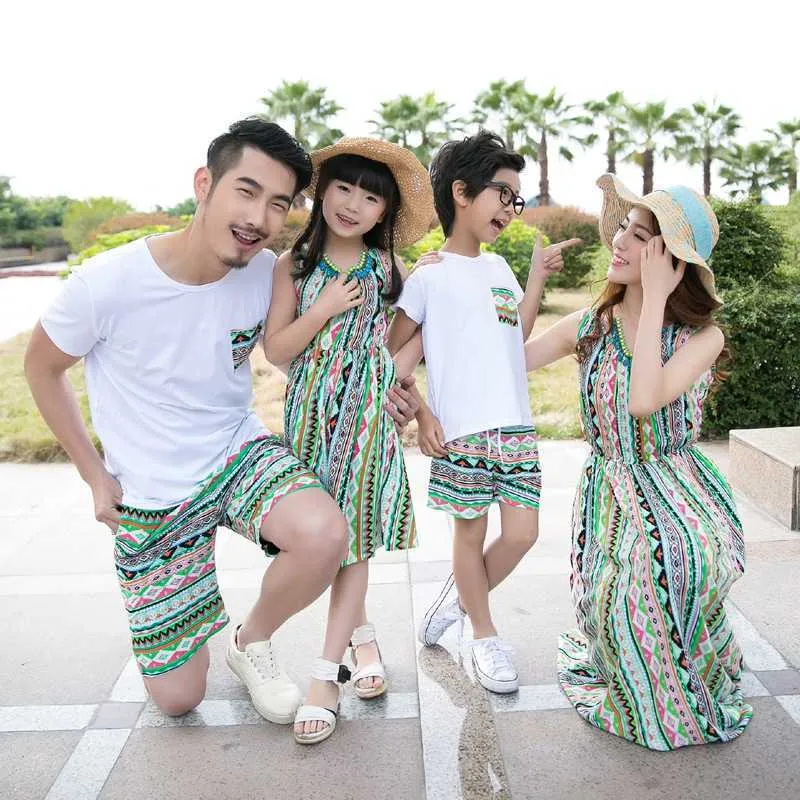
point(274, 695)
point(491, 658)
point(440, 616)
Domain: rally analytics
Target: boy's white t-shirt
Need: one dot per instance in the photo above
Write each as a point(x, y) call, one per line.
point(473, 342)
point(167, 368)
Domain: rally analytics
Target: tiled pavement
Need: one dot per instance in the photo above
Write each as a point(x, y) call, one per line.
point(74, 722)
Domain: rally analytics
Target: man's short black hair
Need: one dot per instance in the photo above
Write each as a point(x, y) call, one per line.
point(474, 160)
point(272, 140)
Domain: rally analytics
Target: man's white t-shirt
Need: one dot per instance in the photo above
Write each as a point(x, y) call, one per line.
point(473, 342)
point(167, 369)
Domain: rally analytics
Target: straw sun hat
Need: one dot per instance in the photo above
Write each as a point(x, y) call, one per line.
point(416, 196)
point(688, 224)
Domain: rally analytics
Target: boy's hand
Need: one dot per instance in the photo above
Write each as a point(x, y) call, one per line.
point(107, 495)
point(546, 261)
point(430, 435)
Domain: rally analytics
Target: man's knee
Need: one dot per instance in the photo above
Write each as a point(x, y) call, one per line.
point(176, 701)
point(181, 690)
point(320, 531)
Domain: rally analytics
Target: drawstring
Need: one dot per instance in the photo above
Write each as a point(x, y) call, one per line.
point(499, 445)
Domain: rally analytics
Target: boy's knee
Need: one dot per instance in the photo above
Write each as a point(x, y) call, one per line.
point(522, 539)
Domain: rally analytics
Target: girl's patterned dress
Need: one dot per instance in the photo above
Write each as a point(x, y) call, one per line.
point(656, 546)
point(335, 416)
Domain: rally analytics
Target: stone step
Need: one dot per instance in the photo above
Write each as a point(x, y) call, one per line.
point(765, 467)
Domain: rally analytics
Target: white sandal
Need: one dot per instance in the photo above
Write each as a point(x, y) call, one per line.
point(322, 670)
point(365, 634)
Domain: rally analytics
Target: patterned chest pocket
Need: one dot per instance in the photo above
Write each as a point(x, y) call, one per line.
point(505, 305)
point(243, 342)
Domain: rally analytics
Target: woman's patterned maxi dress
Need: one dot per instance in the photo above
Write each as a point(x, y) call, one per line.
point(656, 546)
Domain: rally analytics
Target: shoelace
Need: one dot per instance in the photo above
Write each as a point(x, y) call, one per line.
point(264, 663)
point(498, 651)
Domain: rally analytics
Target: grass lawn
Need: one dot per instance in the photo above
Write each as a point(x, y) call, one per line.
point(25, 437)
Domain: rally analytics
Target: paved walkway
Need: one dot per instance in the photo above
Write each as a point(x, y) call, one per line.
point(76, 723)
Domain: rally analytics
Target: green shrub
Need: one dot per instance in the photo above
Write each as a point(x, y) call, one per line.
point(86, 216)
point(750, 247)
point(762, 325)
point(432, 240)
point(787, 220)
point(36, 239)
point(560, 223)
point(516, 244)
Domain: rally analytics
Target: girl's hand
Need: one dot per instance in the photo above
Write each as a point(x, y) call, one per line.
point(431, 257)
point(339, 296)
point(546, 261)
point(659, 277)
point(430, 436)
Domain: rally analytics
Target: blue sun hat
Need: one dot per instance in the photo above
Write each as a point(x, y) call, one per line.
point(688, 224)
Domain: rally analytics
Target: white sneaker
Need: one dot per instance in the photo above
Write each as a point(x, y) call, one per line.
point(493, 667)
point(274, 695)
point(440, 616)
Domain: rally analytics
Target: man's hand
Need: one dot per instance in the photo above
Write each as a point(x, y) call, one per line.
point(401, 403)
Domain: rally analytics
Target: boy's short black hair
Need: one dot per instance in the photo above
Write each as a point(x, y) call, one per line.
point(474, 160)
point(268, 137)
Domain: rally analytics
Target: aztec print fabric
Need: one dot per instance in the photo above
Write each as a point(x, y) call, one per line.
point(656, 546)
point(243, 343)
point(505, 305)
point(336, 421)
point(481, 468)
point(165, 558)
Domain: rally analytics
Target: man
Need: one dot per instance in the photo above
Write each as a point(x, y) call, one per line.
point(165, 325)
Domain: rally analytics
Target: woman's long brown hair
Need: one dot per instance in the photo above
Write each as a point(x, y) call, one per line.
point(690, 304)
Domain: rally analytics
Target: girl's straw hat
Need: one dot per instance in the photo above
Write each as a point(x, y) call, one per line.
point(416, 196)
point(688, 224)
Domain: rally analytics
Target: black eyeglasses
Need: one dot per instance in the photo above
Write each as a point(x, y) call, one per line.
point(508, 196)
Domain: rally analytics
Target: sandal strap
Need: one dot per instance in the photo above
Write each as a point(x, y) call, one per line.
point(373, 670)
point(324, 670)
point(363, 634)
point(315, 714)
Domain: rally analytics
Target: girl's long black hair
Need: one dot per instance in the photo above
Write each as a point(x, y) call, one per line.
point(371, 176)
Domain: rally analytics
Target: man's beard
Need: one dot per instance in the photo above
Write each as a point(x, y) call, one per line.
point(234, 263)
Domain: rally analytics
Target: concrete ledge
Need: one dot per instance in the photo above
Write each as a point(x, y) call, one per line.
point(765, 467)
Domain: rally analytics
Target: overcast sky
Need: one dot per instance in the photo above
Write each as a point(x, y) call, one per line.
point(103, 98)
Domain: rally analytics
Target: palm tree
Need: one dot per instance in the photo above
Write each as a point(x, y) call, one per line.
point(611, 113)
point(420, 124)
point(543, 117)
point(501, 103)
point(753, 168)
point(707, 133)
point(307, 110)
point(787, 135)
point(649, 126)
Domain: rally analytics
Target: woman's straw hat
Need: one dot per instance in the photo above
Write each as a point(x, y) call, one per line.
point(688, 223)
point(416, 196)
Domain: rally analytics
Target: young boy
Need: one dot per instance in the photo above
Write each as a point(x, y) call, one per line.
point(475, 319)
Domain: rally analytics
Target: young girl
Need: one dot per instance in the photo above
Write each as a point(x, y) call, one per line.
point(328, 317)
point(657, 542)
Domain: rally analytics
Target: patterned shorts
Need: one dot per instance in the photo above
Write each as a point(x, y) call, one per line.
point(501, 464)
point(165, 558)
